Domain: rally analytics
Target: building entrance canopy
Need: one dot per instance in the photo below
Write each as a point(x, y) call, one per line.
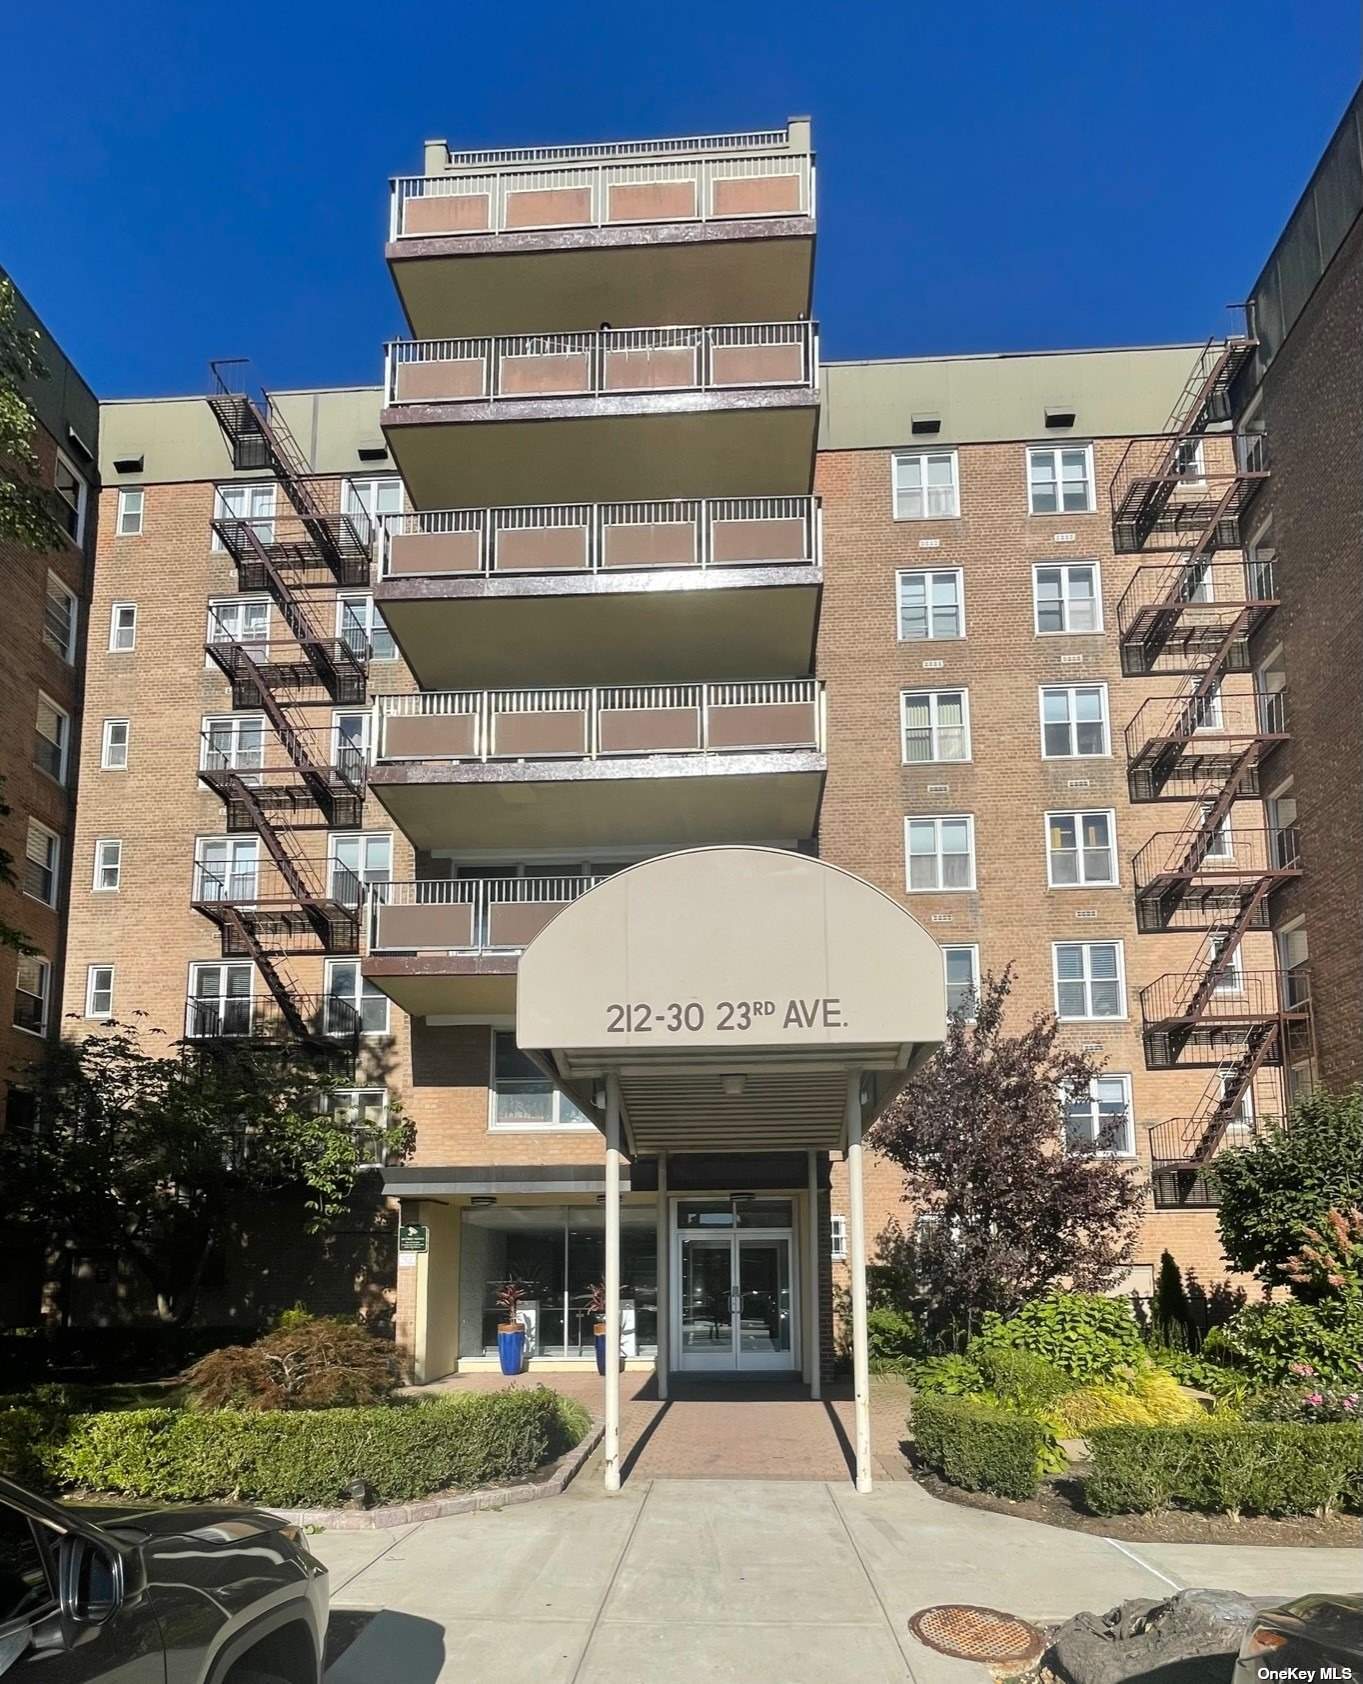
point(731, 992)
point(732, 1000)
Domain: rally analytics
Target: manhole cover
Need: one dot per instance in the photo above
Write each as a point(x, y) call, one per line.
point(977, 1634)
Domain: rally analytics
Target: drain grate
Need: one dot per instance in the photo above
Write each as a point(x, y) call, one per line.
point(977, 1634)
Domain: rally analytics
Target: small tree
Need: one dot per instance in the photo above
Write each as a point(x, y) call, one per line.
point(25, 508)
point(1169, 1313)
point(158, 1156)
point(1288, 1181)
point(1015, 1205)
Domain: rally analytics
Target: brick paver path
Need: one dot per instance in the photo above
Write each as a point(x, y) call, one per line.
point(749, 1428)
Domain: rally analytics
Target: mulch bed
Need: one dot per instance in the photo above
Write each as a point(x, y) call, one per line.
point(1059, 1503)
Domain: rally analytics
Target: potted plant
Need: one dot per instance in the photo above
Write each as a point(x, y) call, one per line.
point(596, 1307)
point(511, 1328)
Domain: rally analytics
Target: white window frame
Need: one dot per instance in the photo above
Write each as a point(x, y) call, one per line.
point(1071, 692)
point(53, 865)
point(1078, 815)
point(1065, 568)
point(1191, 462)
point(222, 996)
point(361, 605)
point(366, 743)
point(82, 505)
point(357, 999)
point(93, 990)
point(63, 744)
point(937, 820)
point(1055, 452)
point(67, 650)
point(837, 1238)
point(352, 1097)
point(366, 874)
point(262, 519)
point(44, 993)
point(132, 502)
point(1232, 979)
point(1087, 981)
point(1127, 1148)
point(106, 764)
point(350, 496)
point(116, 630)
point(235, 722)
point(929, 573)
point(226, 614)
point(227, 879)
point(898, 459)
point(935, 727)
point(972, 948)
point(557, 1123)
point(108, 856)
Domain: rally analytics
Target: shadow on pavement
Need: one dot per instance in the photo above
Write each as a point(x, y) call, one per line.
point(382, 1647)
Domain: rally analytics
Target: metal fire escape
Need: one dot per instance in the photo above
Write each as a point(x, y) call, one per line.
point(1193, 614)
point(287, 903)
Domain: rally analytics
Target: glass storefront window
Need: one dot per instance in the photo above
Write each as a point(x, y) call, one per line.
point(737, 1212)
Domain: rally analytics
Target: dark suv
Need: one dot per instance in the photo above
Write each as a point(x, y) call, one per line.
point(157, 1596)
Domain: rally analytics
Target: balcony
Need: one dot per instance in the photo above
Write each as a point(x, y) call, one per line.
point(1181, 616)
point(656, 412)
point(1179, 747)
point(1195, 1019)
point(309, 779)
point(715, 228)
point(450, 945)
point(1203, 879)
point(305, 667)
point(1164, 499)
point(626, 765)
point(326, 1026)
point(330, 549)
point(287, 906)
point(640, 590)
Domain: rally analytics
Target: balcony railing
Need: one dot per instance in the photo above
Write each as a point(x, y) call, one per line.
point(467, 915)
point(598, 723)
point(264, 883)
point(594, 193)
point(608, 362)
point(1184, 1140)
point(1164, 499)
point(294, 660)
point(1229, 857)
point(1239, 997)
point(1195, 736)
point(341, 543)
point(1178, 615)
point(248, 1018)
point(569, 538)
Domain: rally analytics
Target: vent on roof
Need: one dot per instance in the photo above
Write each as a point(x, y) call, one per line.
point(927, 423)
point(372, 452)
point(128, 464)
point(1060, 415)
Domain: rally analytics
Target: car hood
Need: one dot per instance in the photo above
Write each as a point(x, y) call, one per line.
point(210, 1524)
point(1333, 1619)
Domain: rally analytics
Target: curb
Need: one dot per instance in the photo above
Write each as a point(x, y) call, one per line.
point(436, 1508)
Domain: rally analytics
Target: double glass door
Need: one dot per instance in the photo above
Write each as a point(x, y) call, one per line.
point(734, 1301)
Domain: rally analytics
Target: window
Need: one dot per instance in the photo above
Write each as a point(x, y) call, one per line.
point(367, 500)
point(837, 1237)
point(1060, 479)
point(925, 485)
point(1066, 598)
point(52, 739)
point(522, 1096)
point(1204, 712)
point(254, 503)
point(219, 1000)
point(936, 725)
point(962, 965)
point(1101, 1118)
point(355, 861)
point(366, 1111)
point(941, 853)
point(113, 753)
point(99, 991)
point(1080, 849)
point(931, 604)
point(31, 988)
point(129, 524)
point(122, 628)
point(1232, 979)
point(71, 498)
point(1089, 981)
point(108, 865)
point(1221, 846)
point(226, 868)
point(234, 743)
point(239, 619)
point(350, 993)
point(349, 741)
point(1190, 463)
point(358, 622)
point(42, 863)
point(60, 617)
point(1074, 721)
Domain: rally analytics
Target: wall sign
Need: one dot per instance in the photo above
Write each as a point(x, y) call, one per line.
point(413, 1236)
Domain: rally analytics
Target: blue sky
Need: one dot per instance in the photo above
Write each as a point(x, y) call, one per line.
point(186, 179)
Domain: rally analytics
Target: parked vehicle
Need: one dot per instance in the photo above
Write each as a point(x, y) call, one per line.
point(212, 1595)
point(1314, 1637)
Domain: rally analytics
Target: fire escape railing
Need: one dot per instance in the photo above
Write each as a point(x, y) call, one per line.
point(296, 777)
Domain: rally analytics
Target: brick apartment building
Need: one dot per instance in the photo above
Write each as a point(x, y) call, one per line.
point(610, 565)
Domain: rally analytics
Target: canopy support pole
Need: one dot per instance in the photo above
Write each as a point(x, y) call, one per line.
point(664, 1238)
point(856, 1246)
point(612, 1434)
point(814, 1359)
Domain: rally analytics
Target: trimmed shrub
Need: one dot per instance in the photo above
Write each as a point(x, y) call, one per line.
point(1088, 1336)
point(982, 1446)
point(1263, 1341)
point(305, 1363)
point(1225, 1468)
point(892, 1340)
point(1022, 1381)
point(26, 1436)
point(309, 1457)
point(1151, 1398)
point(949, 1376)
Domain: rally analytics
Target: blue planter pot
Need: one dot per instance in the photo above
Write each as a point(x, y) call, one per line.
point(600, 1353)
point(511, 1350)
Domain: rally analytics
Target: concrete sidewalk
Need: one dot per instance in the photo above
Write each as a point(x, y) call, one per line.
point(767, 1582)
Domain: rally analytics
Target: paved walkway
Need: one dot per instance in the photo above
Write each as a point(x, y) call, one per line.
point(771, 1582)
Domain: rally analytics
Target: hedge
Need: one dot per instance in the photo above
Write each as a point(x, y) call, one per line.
point(980, 1446)
point(301, 1458)
point(1232, 1467)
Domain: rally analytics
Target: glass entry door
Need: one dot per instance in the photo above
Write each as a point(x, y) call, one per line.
point(734, 1302)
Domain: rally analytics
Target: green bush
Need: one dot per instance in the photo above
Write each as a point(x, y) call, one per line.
point(309, 1457)
point(1150, 1398)
point(949, 1376)
point(982, 1446)
point(26, 1436)
point(1023, 1381)
point(1088, 1336)
point(1231, 1467)
point(1263, 1341)
point(892, 1340)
